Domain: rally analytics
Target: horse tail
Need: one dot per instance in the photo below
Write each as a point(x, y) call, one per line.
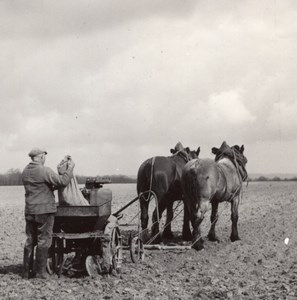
point(144, 185)
point(145, 188)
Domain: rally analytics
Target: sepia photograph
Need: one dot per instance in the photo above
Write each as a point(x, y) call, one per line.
point(148, 149)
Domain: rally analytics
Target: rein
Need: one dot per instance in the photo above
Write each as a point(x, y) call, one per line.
point(152, 168)
point(241, 179)
point(150, 192)
point(236, 160)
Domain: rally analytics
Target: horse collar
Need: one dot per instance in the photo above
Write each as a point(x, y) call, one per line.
point(182, 154)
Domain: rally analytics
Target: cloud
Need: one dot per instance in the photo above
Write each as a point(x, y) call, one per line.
point(227, 107)
point(282, 120)
point(27, 19)
point(114, 83)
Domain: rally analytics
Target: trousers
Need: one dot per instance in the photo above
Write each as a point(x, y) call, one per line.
point(39, 229)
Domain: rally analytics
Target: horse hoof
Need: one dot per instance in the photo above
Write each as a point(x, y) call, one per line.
point(213, 238)
point(198, 246)
point(234, 238)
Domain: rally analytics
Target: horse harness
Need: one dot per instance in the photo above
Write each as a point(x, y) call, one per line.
point(242, 175)
point(182, 154)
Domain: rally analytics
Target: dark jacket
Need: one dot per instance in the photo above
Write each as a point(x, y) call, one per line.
point(40, 182)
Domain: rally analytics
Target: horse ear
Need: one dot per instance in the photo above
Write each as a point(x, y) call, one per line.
point(224, 144)
point(172, 151)
point(187, 149)
point(242, 149)
point(198, 151)
point(214, 150)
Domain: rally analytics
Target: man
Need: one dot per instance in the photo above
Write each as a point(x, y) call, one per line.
point(39, 183)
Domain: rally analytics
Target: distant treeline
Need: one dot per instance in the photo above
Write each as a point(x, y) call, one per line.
point(11, 177)
point(14, 177)
point(276, 178)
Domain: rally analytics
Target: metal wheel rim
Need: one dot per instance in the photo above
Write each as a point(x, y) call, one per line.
point(116, 248)
point(92, 266)
point(49, 264)
point(137, 250)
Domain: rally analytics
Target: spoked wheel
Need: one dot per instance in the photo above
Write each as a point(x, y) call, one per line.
point(137, 250)
point(55, 266)
point(93, 266)
point(116, 249)
point(56, 259)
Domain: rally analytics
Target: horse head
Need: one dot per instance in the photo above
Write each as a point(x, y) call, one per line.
point(192, 154)
point(235, 154)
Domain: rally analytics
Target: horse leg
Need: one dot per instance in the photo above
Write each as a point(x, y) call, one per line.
point(197, 217)
point(187, 235)
point(167, 232)
point(213, 219)
point(144, 218)
point(234, 218)
point(155, 227)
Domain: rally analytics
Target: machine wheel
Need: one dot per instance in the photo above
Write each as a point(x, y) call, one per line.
point(53, 268)
point(137, 250)
point(93, 266)
point(116, 249)
point(55, 260)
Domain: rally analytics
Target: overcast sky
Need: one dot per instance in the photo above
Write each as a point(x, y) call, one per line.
point(113, 83)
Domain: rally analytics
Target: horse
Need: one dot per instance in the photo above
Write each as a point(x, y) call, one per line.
point(207, 181)
point(160, 176)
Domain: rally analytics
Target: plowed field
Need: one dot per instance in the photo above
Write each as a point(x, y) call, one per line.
point(259, 266)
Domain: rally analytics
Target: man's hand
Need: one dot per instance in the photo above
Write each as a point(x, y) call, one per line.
point(70, 163)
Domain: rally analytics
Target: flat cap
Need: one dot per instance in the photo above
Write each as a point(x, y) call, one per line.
point(36, 151)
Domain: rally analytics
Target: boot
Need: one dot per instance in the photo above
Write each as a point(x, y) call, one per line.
point(28, 263)
point(41, 261)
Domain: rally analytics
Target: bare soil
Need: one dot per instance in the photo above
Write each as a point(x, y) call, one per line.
point(259, 266)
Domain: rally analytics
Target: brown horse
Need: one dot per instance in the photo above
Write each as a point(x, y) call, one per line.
point(207, 181)
point(160, 177)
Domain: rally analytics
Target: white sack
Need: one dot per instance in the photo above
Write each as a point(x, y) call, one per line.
point(71, 194)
